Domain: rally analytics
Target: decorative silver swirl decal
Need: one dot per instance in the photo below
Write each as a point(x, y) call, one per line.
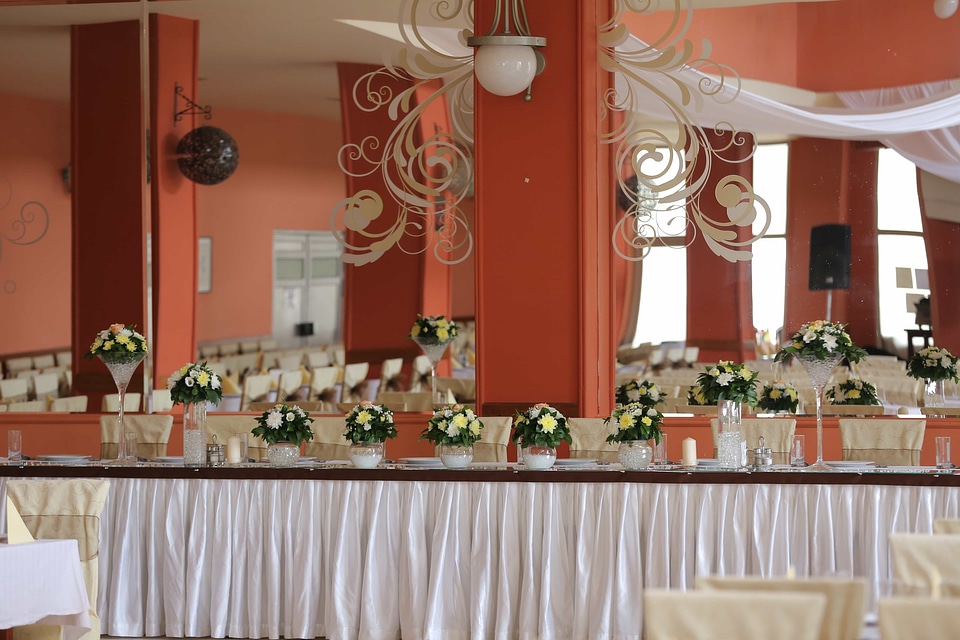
point(30, 225)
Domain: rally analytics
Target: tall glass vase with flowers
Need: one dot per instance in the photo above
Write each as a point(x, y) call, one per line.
point(193, 386)
point(820, 346)
point(121, 349)
point(433, 334)
point(539, 430)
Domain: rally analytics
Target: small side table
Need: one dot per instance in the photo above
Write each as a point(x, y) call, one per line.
point(925, 334)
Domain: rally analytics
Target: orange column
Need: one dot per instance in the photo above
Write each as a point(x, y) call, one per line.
point(719, 294)
point(109, 226)
point(545, 316)
point(173, 59)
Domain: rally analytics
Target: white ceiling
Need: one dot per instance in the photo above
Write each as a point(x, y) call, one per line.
point(272, 55)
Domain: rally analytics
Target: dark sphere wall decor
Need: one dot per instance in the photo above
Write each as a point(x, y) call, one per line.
point(207, 155)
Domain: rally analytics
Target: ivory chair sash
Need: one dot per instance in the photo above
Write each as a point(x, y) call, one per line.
point(846, 599)
point(926, 564)
point(589, 437)
point(918, 619)
point(71, 404)
point(354, 382)
point(31, 406)
point(892, 442)
point(777, 434)
point(729, 615)
point(224, 426)
point(255, 389)
point(946, 525)
point(153, 434)
point(64, 509)
point(390, 379)
point(111, 402)
point(328, 442)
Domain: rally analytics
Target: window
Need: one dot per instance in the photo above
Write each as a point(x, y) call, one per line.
point(769, 263)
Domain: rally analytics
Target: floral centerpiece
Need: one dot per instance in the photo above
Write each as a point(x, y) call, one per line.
point(778, 397)
point(453, 425)
point(284, 423)
point(635, 421)
point(853, 391)
point(643, 392)
point(821, 340)
point(369, 422)
point(434, 329)
point(193, 383)
point(120, 343)
point(933, 363)
point(540, 426)
point(725, 380)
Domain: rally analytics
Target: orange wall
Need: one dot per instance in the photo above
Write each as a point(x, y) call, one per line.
point(34, 279)
point(287, 179)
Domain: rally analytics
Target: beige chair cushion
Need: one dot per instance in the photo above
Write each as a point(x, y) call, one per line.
point(729, 615)
point(224, 426)
point(72, 404)
point(918, 619)
point(926, 564)
point(111, 402)
point(64, 509)
point(892, 442)
point(328, 442)
point(589, 439)
point(777, 434)
point(945, 525)
point(153, 434)
point(846, 599)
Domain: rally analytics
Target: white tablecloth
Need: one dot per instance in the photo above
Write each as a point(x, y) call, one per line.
point(41, 582)
point(451, 560)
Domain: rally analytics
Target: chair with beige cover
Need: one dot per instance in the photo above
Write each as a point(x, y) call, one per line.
point(927, 565)
point(464, 390)
point(16, 365)
point(946, 525)
point(46, 386)
point(494, 439)
point(777, 434)
point(224, 426)
point(64, 509)
point(323, 386)
point(288, 387)
point(111, 402)
point(255, 389)
point(390, 378)
point(420, 375)
point(153, 434)
point(355, 382)
point(412, 401)
point(328, 442)
point(31, 406)
point(891, 442)
point(729, 615)
point(589, 439)
point(918, 618)
point(70, 404)
point(162, 400)
point(846, 598)
point(317, 359)
point(14, 390)
point(290, 361)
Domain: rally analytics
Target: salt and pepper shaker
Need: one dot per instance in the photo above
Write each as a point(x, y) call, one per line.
point(762, 457)
point(215, 453)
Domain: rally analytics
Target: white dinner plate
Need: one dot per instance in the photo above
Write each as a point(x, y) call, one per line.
point(62, 457)
point(170, 459)
point(848, 464)
point(422, 462)
point(306, 461)
point(574, 462)
point(708, 462)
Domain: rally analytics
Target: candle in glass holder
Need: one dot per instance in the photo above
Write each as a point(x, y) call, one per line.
point(234, 456)
point(689, 452)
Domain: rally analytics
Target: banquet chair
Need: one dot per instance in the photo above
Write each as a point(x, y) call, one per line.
point(317, 359)
point(323, 386)
point(70, 404)
point(14, 390)
point(890, 442)
point(3, 407)
point(946, 525)
point(288, 388)
point(355, 382)
point(153, 434)
point(420, 376)
point(224, 426)
point(926, 564)
point(15, 365)
point(328, 442)
point(777, 434)
point(464, 390)
point(390, 378)
point(111, 402)
point(729, 615)
point(589, 439)
point(208, 351)
point(44, 361)
point(494, 439)
point(268, 344)
point(249, 346)
point(161, 401)
point(846, 598)
point(64, 509)
point(413, 401)
point(31, 406)
point(64, 359)
point(290, 361)
point(255, 389)
point(918, 619)
point(340, 357)
point(46, 386)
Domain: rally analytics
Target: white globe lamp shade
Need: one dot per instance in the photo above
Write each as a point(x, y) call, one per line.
point(945, 8)
point(505, 70)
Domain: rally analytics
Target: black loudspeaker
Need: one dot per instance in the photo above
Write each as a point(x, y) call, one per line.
point(830, 257)
point(303, 329)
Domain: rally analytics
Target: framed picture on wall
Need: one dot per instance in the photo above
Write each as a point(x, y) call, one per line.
point(204, 261)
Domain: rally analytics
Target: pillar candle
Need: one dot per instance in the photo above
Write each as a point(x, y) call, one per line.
point(689, 452)
point(233, 450)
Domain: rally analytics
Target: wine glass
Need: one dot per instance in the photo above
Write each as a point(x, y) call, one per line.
point(121, 366)
point(819, 370)
point(433, 348)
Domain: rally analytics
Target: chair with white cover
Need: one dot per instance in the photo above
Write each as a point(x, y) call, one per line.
point(64, 509)
point(153, 434)
point(249, 346)
point(927, 565)
point(777, 434)
point(328, 442)
point(268, 344)
point(14, 390)
point(224, 426)
point(918, 618)
point(44, 361)
point(208, 351)
point(3, 407)
point(255, 389)
point(46, 386)
point(70, 404)
point(355, 382)
point(15, 365)
point(288, 387)
point(340, 357)
point(846, 598)
point(420, 375)
point(589, 439)
point(317, 359)
point(390, 378)
point(290, 361)
point(892, 442)
point(729, 615)
point(111, 402)
point(946, 525)
point(161, 400)
point(64, 359)
point(29, 406)
point(323, 386)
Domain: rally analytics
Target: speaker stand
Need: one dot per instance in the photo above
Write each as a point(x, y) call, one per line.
point(829, 304)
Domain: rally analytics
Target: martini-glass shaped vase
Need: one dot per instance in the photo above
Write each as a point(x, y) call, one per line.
point(434, 349)
point(121, 367)
point(819, 371)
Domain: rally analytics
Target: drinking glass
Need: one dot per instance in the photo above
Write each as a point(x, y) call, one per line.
point(243, 436)
point(943, 452)
point(660, 451)
point(14, 445)
point(797, 458)
point(130, 446)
